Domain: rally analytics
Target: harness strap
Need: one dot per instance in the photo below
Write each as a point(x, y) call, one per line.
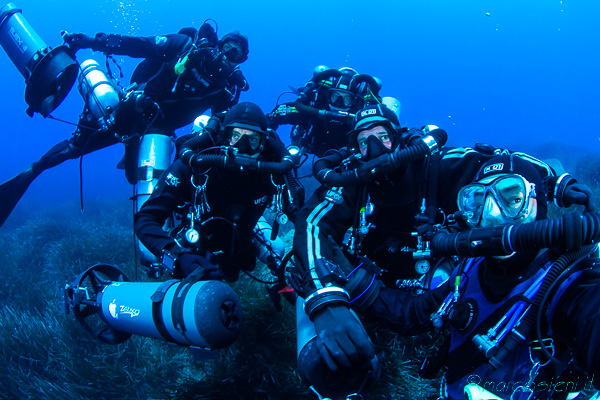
point(180, 294)
point(157, 299)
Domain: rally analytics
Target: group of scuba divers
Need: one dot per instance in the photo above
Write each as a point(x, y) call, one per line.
point(402, 230)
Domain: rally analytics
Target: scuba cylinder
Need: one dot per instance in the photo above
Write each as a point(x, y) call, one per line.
point(49, 73)
point(394, 105)
point(98, 92)
point(336, 385)
point(205, 314)
point(154, 157)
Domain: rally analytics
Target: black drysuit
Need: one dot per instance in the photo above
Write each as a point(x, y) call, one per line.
point(181, 98)
point(396, 201)
point(235, 201)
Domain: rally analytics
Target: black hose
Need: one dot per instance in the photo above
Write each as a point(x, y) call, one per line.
point(554, 283)
point(189, 154)
point(526, 328)
point(276, 146)
point(570, 231)
point(382, 165)
point(329, 162)
point(190, 147)
point(324, 115)
point(242, 163)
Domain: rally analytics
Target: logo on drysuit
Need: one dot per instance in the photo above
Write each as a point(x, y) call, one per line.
point(171, 180)
point(261, 200)
point(334, 197)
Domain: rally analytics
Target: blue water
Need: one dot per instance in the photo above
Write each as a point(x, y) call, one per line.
point(511, 73)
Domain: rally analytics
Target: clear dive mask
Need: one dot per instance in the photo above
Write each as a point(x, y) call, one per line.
point(506, 197)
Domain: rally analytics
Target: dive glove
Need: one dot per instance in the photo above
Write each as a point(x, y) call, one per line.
point(203, 267)
point(341, 338)
point(78, 40)
point(578, 193)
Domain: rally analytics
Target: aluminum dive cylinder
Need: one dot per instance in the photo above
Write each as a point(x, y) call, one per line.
point(98, 92)
point(49, 72)
point(154, 157)
point(393, 104)
point(205, 314)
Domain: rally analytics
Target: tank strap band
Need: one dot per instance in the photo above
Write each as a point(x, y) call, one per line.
point(148, 173)
point(157, 299)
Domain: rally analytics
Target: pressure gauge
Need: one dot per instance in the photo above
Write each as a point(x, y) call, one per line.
point(192, 236)
point(422, 266)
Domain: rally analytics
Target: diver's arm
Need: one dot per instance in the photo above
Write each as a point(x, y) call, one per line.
point(157, 47)
point(405, 312)
point(169, 194)
point(319, 231)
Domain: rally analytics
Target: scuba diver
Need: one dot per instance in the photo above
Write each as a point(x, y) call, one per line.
point(322, 114)
point(221, 184)
point(522, 319)
point(181, 76)
point(203, 225)
point(371, 222)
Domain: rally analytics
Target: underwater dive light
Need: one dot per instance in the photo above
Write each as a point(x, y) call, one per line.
point(49, 73)
point(204, 314)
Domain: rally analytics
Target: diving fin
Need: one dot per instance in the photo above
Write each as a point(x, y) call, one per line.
point(12, 190)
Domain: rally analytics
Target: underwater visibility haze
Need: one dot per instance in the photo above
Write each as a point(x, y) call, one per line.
point(509, 73)
point(517, 74)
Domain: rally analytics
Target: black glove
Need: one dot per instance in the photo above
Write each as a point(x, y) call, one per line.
point(78, 41)
point(145, 104)
point(238, 79)
point(581, 194)
point(341, 338)
point(375, 168)
point(208, 32)
point(202, 267)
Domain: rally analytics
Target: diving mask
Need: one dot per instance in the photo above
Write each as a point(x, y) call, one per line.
point(506, 198)
point(341, 99)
